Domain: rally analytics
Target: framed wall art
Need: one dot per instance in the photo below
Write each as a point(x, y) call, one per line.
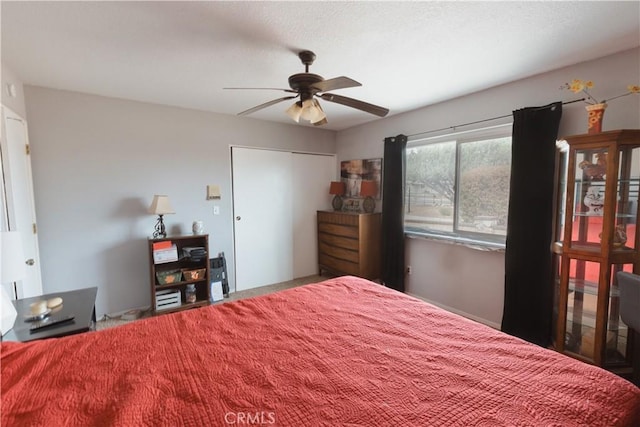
point(353, 172)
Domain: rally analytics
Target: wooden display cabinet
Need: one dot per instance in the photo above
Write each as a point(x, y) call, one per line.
point(201, 284)
point(600, 238)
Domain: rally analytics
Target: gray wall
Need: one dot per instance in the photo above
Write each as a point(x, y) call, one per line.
point(97, 162)
point(465, 280)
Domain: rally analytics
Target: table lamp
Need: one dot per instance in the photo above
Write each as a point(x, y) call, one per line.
point(368, 189)
point(12, 269)
point(160, 206)
point(337, 188)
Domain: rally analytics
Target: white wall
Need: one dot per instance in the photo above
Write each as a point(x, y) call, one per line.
point(15, 103)
point(465, 280)
point(98, 162)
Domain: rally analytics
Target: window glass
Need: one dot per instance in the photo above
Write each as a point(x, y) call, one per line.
point(430, 187)
point(483, 201)
point(458, 187)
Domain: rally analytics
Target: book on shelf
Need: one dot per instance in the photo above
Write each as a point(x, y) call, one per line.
point(166, 244)
point(161, 256)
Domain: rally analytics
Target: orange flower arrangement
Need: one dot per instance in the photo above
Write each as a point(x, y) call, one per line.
point(584, 86)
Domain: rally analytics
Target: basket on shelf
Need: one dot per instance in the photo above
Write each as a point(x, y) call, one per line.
point(194, 274)
point(168, 277)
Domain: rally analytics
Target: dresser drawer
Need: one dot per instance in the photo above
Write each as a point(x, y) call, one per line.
point(338, 230)
point(338, 218)
point(336, 252)
point(349, 243)
point(339, 241)
point(338, 265)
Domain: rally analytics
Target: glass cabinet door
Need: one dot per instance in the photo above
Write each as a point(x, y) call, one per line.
point(589, 199)
point(617, 332)
point(581, 332)
point(627, 200)
point(582, 307)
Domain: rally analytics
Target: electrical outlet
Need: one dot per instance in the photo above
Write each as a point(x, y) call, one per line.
point(216, 210)
point(408, 269)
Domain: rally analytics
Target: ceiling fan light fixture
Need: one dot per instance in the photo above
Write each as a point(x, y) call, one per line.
point(295, 111)
point(319, 117)
point(321, 122)
point(311, 111)
point(308, 109)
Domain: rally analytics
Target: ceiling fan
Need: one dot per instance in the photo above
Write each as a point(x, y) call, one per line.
point(309, 87)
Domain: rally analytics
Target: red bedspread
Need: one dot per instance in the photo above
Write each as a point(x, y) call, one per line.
point(341, 352)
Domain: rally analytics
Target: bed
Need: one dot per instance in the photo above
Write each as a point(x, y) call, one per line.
point(343, 352)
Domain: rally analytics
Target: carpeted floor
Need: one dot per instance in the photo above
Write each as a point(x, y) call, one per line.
point(109, 322)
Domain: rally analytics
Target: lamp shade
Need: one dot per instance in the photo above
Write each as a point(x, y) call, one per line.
point(295, 111)
point(337, 188)
point(368, 188)
point(13, 264)
point(160, 205)
point(309, 109)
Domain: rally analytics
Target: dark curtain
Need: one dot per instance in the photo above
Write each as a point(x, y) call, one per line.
point(528, 298)
point(393, 212)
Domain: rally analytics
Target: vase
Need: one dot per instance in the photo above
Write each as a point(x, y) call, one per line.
point(197, 227)
point(596, 112)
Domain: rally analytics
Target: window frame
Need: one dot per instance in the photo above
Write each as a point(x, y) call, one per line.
point(483, 241)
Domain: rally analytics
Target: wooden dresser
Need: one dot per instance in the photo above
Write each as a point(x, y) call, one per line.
point(349, 243)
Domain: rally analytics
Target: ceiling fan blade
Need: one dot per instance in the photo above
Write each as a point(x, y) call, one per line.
point(259, 88)
point(265, 105)
point(336, 83)
point(354, 103)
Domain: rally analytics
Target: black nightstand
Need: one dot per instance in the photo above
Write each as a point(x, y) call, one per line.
point(80, 303)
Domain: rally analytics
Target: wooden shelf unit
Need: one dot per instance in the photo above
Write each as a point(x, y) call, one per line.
point(201, 285)
point(349, 243)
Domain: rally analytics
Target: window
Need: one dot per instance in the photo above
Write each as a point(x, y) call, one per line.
point(457, 186)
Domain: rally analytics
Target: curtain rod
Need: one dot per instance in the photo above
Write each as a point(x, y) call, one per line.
point(482, 121)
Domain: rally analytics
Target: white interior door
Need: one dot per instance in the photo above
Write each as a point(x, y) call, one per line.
point(312, 177)
point(20, 205)
point(262, 207)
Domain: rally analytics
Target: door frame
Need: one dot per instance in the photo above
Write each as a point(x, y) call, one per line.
point(9, 215)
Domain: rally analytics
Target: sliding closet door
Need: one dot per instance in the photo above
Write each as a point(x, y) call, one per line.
point(312, 176)
point(262, 202)
point(276, 195)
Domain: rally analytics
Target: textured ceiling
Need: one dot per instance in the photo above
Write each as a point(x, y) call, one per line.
point(406, 54)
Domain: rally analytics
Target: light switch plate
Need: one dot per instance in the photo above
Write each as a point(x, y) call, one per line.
point(216, 210)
